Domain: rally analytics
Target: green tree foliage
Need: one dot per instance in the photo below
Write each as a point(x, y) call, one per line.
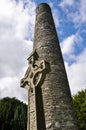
point(79, 101)
point(13, 114)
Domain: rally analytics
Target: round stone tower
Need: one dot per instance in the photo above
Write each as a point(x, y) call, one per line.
point(54, 108)
point(49, 99)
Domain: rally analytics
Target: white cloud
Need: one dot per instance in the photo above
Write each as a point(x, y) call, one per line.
point(56, 17)
point(10, 87)
point(16, 34)
point(12, 56)
point(68, 44)
point(77, 73)
point(17, 18)
point(66, 3)
point(77, 12)
point(55, 14)
point(80, 16)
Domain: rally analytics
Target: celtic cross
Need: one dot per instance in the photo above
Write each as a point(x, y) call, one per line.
point(34, 73)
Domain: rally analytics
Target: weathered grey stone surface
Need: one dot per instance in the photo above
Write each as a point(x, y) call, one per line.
point(57, 102)
point(50, 104)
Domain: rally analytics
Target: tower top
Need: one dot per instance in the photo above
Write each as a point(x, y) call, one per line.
point(43, 7)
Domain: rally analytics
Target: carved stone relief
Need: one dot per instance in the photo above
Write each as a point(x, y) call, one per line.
point(35, 72)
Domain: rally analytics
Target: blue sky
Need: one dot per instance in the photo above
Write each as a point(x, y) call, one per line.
point(17, 20)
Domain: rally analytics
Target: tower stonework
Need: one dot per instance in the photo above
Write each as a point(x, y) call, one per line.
point(49, 101)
